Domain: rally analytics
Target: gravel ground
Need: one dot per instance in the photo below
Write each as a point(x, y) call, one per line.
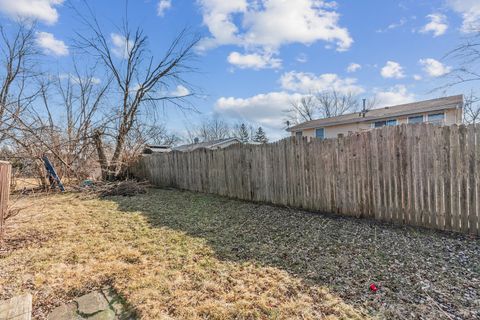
point(421, 274)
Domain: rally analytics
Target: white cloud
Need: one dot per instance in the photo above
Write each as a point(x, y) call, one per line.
point(353, 67)
point(121, 46)
point(269, 24)
point(76, 80)
point(42, 10)
point(163, 5)
point(395, 25)
point(401, 23)
point(254, 61)
point(470, 11)
point(50, 45)
point(218, 17)
point(308, 82)
point(392, 70)
point(434, 68)
point(417, 77)
point(438, 24)
point(302, 58)
point(180, 91)
point(394, 96)
point(266, 110)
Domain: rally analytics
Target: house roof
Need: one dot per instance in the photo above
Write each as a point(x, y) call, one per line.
point(385, 113)
point(206, 145)
point(156, 149)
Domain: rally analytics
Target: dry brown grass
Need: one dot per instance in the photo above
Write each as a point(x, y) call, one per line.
point(63, 246)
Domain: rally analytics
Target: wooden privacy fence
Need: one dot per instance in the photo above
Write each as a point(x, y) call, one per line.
point(5, 172)
point(422, 175)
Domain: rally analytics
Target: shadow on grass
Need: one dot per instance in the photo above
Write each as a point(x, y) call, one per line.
point(421, 273)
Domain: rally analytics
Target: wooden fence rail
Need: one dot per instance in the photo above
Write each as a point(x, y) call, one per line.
point(5, 172)
point(422, 175)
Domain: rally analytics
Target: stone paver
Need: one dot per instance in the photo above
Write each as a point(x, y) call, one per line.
point(103, 315)
point(104, 305)
point(91, 303)
point(67, 311)
point(113, 300)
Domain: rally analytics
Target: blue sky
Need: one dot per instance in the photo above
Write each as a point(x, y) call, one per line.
point(258, 55)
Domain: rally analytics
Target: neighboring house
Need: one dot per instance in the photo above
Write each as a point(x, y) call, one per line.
point(211, 145)
point(149, 149)
point(442, 111)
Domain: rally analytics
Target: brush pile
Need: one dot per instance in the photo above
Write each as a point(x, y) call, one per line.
point(126, 188)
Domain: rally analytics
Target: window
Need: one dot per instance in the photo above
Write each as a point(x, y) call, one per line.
point(437, 118)
point(320, 133)
point(383, 123)
point(415, 119)
point(298, 134)
point(392, 122)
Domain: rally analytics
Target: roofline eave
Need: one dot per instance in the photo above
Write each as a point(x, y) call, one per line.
point(359, 120)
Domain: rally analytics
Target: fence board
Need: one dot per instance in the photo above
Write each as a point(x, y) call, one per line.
point(421, 175)
point(5, 173)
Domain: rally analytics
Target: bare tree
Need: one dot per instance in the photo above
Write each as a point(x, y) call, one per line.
point(333, 103)
point(323, 104)
point(18, 87)
point(18, 52)
point(471, 109)
point(139, 77)
point(304, 109)
point(467, 57)
point(210, 129)
point(142, 135)
point(68, 142)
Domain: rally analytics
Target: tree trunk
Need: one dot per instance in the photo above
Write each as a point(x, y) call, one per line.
point(102, 158)
point(41, 173)
point(115, 163)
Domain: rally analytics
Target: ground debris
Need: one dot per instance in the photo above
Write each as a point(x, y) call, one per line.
point(126, 188)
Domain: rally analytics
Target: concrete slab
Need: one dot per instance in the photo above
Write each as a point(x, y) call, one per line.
point(16, 308)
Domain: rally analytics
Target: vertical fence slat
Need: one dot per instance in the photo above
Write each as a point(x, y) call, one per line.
point(447, 194)
point(472, 168)
point(463, 178)
point(5, 173)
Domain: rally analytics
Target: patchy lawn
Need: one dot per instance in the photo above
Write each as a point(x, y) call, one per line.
point(63, 246)
point(187, 256)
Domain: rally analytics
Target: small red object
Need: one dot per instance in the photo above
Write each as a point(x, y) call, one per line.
point(373, 287)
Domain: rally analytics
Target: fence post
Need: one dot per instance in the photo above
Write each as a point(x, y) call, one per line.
point(5, 172)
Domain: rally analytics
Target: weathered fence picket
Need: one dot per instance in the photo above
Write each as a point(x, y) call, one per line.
point(5, 172)
point(422, 175)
